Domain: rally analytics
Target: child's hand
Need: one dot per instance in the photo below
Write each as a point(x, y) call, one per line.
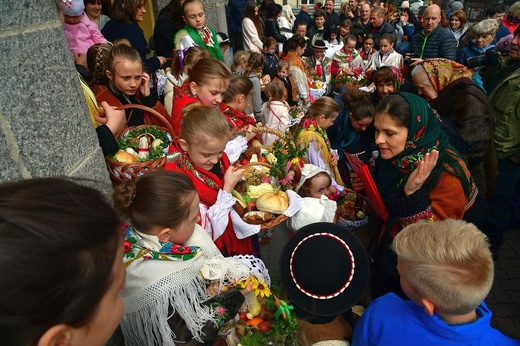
point(266, 79)
point(145, 85)
point(212, 289)
point(249, 288)
point(333, 158)
point(231, 178)
point(80, 59)
point(114, 119)
point(306, 101)
point(249, 133)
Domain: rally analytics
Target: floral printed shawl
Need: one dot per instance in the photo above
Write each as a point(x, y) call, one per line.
point(442, 72)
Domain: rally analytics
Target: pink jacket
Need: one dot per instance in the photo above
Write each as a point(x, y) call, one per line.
point(83, 35)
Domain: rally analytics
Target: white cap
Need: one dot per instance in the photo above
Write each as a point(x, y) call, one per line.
point(308, 171)
point(405, 4)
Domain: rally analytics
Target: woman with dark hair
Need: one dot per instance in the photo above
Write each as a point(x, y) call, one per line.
point(298, 69)
point(62, 264)
point(262, 14)
point(168, 23)
point(353, 131)
point(93, 9)
point(408, 23)
point(126, 14)
point(272, 28)
point(251, 28)
point(420, 176)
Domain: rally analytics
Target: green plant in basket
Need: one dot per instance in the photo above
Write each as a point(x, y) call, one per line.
point(286, 162)
point(275, 324)
point(158, 141)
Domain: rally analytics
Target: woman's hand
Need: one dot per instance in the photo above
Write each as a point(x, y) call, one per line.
point(145, 85)
point(356, 183)
point(162, 60)
point(421, 173)
point(231, 178)
point(114, 119)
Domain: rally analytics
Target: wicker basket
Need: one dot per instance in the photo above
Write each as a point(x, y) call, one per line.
point(121, 171)
point(280, 218)
point(352, 225)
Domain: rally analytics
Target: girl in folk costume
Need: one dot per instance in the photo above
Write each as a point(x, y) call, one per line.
point(275, 111)
point(298, 69)
point(311, 134)
point(126, 83)
point(347, 61)
point(236, 101)
point(288, 81)
point(177, 78)
point(387, 55)
point(207, 83)
point(175, 276)
point(199, 153)
point(368, 49)
point(196, 32)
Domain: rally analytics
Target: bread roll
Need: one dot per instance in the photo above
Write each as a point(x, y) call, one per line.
point(123, 156)
point(258, 217)
point(273, 203)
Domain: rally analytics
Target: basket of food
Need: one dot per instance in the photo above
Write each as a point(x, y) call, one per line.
point(353, 210)
point(141, 148)
point(264, 319)
point(318, 88)
point(350, 82)
point(264, 194)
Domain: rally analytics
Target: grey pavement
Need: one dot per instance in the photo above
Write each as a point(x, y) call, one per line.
point(503, 300)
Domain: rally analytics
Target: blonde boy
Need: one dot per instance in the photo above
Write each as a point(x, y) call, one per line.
point(446, 270)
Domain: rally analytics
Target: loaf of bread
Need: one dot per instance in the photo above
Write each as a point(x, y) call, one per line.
point(258, 217)
point(273, 203)
point(123, 156)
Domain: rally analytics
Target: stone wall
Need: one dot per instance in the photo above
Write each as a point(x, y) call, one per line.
point(45, 128)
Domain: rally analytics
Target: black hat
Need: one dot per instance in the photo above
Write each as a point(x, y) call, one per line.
point(324, 269)
point(319, 45)
point(222, 38)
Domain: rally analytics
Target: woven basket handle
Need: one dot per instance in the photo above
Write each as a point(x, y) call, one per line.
point(264, 129)
point(158, 116)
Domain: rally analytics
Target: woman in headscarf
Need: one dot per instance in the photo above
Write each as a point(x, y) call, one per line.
point(421, 176)
point(448, 87)
point(387, 80)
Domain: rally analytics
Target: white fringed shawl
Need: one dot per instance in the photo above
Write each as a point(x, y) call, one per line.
point(154, 285)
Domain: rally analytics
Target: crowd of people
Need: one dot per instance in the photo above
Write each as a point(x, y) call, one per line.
point(428, 100)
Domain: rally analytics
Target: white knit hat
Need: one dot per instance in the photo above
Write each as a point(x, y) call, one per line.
point(405, 4)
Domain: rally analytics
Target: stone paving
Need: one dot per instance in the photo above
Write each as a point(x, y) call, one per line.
point(504, 298)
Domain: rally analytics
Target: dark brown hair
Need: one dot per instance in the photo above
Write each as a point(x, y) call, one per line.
point(59, 245)
point(359, 104)
point(156, 199)
point(125, 10)
point(397, 108)
point(238, 85)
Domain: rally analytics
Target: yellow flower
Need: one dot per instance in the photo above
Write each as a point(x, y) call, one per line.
point(262, 289)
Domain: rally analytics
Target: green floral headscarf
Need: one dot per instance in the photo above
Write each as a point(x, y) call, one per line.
point(424, 135)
